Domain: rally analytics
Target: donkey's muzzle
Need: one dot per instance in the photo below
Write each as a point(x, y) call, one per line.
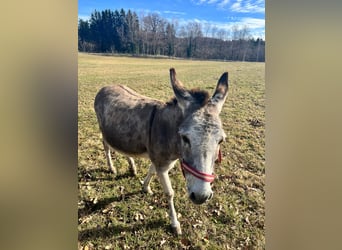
point(200, 199)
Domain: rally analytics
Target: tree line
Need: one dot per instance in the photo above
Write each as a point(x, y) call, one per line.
point(123, 31)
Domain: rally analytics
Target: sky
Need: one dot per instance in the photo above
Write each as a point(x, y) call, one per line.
point(220, 13)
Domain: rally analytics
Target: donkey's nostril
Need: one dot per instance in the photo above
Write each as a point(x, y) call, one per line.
point(210, 196)
point(192, 196)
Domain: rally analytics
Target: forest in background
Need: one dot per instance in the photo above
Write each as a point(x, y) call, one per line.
point(125, 32)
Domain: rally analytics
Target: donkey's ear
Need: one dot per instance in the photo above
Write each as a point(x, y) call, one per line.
point(183, 95)
point(221, 92)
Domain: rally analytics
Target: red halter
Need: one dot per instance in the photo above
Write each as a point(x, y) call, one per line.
point(200, 175)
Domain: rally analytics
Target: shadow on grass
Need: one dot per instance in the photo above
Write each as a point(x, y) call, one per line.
point(90, 207)
point(102, 175)
point(225, 219)
point(118, 230)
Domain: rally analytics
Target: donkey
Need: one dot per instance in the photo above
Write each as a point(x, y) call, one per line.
point(187, 128)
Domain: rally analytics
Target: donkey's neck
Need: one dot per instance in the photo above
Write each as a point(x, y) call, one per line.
point(164, 138)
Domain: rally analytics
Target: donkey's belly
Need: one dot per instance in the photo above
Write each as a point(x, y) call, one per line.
point(126, 143)
point(127, 130)
point(129, 152)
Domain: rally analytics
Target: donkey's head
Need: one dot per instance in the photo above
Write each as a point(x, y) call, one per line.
point(201, 134)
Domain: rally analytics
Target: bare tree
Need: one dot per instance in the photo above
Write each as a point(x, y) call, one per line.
point(214, 30)
point(244, 38)
point(170, 39)
point(193, 31)
point(207, 28)
point(221, 34)
point(154, 27)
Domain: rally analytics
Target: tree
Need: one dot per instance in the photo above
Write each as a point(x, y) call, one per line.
point(245, 37)
point(83, 30)
point(154, 29)
point(124, 32)
point(170, 39)
point(84, 36)
point(193, 31)
point(207, 27)
point(132, 32)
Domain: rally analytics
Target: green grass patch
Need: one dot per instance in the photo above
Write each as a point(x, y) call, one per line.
point(114, 213)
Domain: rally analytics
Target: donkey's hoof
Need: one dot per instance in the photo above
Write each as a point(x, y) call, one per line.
point(113, 170)
point(148, 190)
point(133, 172)
point(176, 229)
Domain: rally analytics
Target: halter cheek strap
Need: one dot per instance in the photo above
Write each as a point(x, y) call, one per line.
point(219, 157)
point(200, 175)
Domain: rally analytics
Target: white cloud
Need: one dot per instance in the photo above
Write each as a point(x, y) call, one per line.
point(219, 2)
point(84, 17)
point(174, 12)
point(212, 1)
point(256, 26)
point(242, 6)
point(198, 2)
point(253, 23)
point(223, 3)
point(248, 6)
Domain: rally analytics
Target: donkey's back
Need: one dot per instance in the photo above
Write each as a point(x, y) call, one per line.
point(124, 118)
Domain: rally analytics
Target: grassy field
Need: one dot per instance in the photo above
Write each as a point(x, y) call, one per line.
point(114, 213)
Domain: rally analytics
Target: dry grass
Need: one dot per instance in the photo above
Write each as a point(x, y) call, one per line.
point(114, 213)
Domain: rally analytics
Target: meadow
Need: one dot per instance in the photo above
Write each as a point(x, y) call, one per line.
point(114, 212)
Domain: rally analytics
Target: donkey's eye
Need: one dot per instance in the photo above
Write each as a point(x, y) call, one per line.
point(185, 139)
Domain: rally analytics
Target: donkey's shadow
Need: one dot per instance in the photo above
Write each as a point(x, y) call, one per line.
point(90, 207)
point(102, 174)
point(117, 230)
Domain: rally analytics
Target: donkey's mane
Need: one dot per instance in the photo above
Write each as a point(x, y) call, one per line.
point(201, 97)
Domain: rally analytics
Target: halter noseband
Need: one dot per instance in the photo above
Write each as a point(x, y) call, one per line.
point(200, 175)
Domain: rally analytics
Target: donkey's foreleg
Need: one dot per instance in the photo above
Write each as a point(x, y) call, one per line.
point(109, 157)
point(165, 181)
point(148, 178)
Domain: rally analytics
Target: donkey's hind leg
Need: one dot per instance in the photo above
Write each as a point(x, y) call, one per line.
point(132, 165)
point(148, 178)
point(109, 157)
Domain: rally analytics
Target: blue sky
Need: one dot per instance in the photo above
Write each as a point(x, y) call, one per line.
point(220, 13)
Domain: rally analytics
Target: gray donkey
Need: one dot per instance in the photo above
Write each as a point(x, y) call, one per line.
point(187, 128)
